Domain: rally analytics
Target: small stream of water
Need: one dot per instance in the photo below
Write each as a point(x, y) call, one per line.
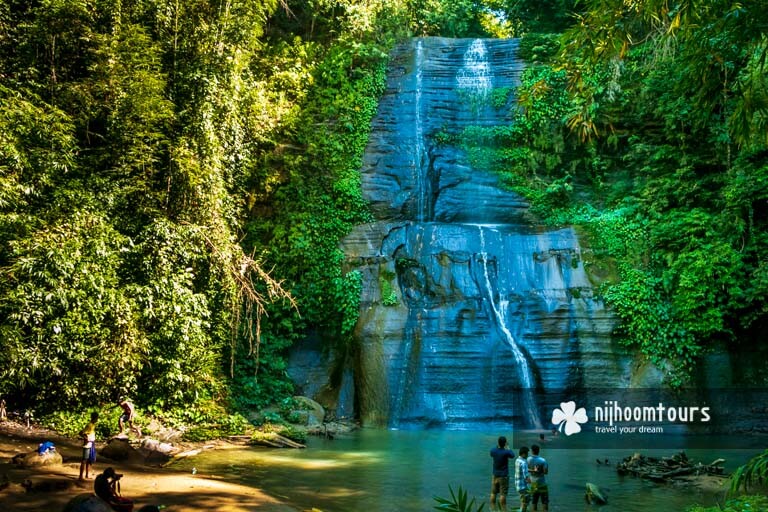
point(499, 313)
point(389, 470)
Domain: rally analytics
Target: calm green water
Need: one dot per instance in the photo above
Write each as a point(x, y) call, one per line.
point(382, 470)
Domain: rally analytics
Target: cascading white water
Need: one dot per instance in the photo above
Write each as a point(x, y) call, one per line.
point(418, 151)
point(499, 312)
point(525, 371)
point(475, 73)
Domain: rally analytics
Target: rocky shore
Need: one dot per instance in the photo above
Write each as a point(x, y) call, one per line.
point(145, 479)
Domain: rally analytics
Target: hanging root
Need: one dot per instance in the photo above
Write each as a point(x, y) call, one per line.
point(248, 302)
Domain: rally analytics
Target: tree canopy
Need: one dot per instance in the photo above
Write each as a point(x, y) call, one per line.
point(149, 151)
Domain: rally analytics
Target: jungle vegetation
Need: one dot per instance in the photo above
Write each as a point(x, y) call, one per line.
point(175, 176)
point(645, 123)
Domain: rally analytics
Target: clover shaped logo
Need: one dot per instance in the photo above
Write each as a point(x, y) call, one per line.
point(569, 417)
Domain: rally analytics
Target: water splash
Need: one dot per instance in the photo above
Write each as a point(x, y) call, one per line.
point(419, 146)
point(500, 313)
point(475, 73)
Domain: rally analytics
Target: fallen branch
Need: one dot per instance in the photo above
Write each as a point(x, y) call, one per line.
point(273, 440)
point(667, 468)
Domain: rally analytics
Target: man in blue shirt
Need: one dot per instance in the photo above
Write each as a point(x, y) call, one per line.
point(500, 481)
point(538, 468)
point(522, 478)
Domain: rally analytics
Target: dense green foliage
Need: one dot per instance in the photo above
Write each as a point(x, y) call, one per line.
point(310, 198)
point(646, 126)
point(71, 424)
point(146, 151)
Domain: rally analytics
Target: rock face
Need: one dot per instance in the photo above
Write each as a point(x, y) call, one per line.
point(471, 312)
point(481, 311)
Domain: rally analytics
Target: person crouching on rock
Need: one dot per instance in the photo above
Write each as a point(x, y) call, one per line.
point(107, 487)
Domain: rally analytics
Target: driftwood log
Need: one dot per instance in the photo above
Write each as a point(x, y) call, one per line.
point(185, 454)
point(274, 440)
point(666, 469)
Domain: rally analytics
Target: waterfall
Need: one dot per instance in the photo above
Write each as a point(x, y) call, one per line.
point(437, 342)
point(419, 169)
point(525, 371)
point(500, 314)
point(403, 379)
point(475, 73)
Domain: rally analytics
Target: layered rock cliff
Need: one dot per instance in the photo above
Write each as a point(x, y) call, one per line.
point(467, 303)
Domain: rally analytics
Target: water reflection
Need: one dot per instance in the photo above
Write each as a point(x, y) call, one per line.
point(383, 471)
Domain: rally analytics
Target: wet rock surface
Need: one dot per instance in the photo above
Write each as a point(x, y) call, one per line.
point(466, 299)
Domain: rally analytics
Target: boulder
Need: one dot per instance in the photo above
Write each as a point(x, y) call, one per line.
point(165, 434)
point(153, 445)
point(331, 429)
point(120, 449)
point(87, 503)
point(156, 452)
point(314, 412)
point(47, 484)
point(35, 460)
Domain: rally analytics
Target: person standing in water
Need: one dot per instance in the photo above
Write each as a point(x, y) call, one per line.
point(538, 468)
point(500, 479)
point(522, 478)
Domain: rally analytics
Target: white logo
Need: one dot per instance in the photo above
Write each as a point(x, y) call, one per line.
point(570, 417)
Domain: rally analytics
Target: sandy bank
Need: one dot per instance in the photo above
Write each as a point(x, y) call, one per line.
point(54, 487)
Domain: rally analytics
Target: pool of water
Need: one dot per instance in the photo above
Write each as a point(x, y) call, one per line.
point(385, 470)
